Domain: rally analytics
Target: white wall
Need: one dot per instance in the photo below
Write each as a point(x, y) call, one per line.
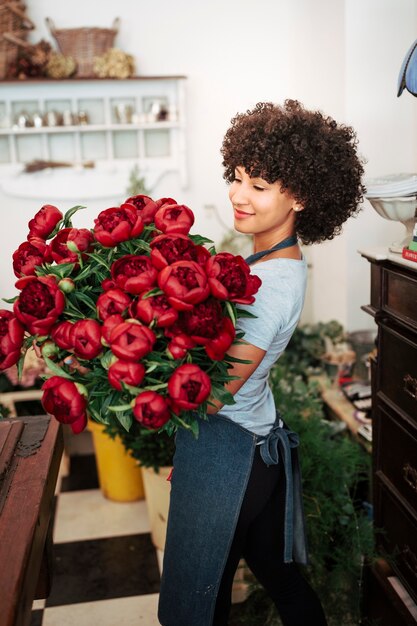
point(341, 56)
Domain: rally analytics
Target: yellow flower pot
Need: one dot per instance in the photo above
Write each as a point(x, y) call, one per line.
point(119, 474)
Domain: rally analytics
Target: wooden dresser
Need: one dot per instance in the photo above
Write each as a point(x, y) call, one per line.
point(391, 590)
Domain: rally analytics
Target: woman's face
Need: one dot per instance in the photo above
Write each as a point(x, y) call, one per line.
point(260, 207)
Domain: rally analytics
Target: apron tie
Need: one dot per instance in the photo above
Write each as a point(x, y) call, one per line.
point(277, 444)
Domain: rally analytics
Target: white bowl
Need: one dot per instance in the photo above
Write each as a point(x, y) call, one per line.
point(402, 210)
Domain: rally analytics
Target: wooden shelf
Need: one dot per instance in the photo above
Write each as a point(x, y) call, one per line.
point(28, 81)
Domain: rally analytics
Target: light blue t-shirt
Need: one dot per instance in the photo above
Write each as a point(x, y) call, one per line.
point(277, 307)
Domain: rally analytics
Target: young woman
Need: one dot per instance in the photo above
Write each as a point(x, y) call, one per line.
point(294, 176)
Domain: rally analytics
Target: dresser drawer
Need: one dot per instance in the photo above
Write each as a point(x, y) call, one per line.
point(397, 358)
point(400, 296)
point(398, 537)
point(396, 454)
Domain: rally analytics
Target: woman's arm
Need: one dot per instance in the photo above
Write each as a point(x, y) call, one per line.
point(248, 352)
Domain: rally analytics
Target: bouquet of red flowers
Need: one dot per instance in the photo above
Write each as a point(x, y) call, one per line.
point(133, 318)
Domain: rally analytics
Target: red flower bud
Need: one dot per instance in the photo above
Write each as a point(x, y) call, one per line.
point(111, 322)
point(148, 309)
point(112, 302)
point(130, 341)
point(188, 387)
point(62, 399)
point(174, 218)
point(11, 339)
point(126, 372)
point(86, 339)
point(151, 410)
point(61, 335)
point(44, 222)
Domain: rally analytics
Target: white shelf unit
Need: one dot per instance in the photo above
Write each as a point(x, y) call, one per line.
point(159, 146)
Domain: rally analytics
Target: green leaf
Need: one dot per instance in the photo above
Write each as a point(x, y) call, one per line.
point(199, 240)
point(56, 369)
point(151, 293)
point(10, 300)
point(244, 313)
point(68, 215)
point(85, 299)
point(126, 420)
point(63, 270)
point(99, 259)
point(119, 408)
point(231, 311)
point(220, 393)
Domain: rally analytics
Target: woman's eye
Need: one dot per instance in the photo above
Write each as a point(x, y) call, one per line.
point(237, 180)
point(258, 188)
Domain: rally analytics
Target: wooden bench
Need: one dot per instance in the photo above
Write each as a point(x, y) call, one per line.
point(30, 454)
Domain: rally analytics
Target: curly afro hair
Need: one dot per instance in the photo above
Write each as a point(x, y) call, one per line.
point(312, 156)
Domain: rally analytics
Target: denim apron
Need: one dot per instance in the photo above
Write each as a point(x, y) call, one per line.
point(207, 489)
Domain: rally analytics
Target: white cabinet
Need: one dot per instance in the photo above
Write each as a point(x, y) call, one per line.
point(139, 120)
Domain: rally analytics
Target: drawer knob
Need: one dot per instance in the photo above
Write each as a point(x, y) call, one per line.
point(410, 386)
point(410, 476)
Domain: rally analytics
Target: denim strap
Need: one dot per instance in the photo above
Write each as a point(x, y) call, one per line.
point(286, 243)
point(279, 441)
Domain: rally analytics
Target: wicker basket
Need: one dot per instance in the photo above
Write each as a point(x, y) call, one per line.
point(14, 25)
point(83, 44)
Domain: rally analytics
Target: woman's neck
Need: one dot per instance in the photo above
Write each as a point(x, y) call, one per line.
point(266, 241)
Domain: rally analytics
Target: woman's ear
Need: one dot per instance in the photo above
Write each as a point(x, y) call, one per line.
point(298, 208)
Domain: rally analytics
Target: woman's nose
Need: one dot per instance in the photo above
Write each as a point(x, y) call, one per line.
point(238, 194)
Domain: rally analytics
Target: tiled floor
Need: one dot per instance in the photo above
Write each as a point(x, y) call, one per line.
point(106, 570)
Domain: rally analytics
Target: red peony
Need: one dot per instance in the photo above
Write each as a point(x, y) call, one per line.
point(62, 399)
point(44, 222)
point(86, 339)
point(154, 308)
point(229, 278)
point(174, 218)
point(29, 255)
point(167, 249)
point(133, 318)
point(111, 322)
point(134, 273)
point(111, 302)
point(11, 339)
point(125, 372)
point(130, 341)
point(61, 334)
point(117, 224)
point(40, 303)
point(145, 207)
point(184, 283)
point(188, 387)
point(151, 410)
point(80, 239)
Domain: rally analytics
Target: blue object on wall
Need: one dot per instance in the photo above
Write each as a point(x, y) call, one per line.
point(407, 78)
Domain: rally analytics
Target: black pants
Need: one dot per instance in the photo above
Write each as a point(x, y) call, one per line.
point(259, 540)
